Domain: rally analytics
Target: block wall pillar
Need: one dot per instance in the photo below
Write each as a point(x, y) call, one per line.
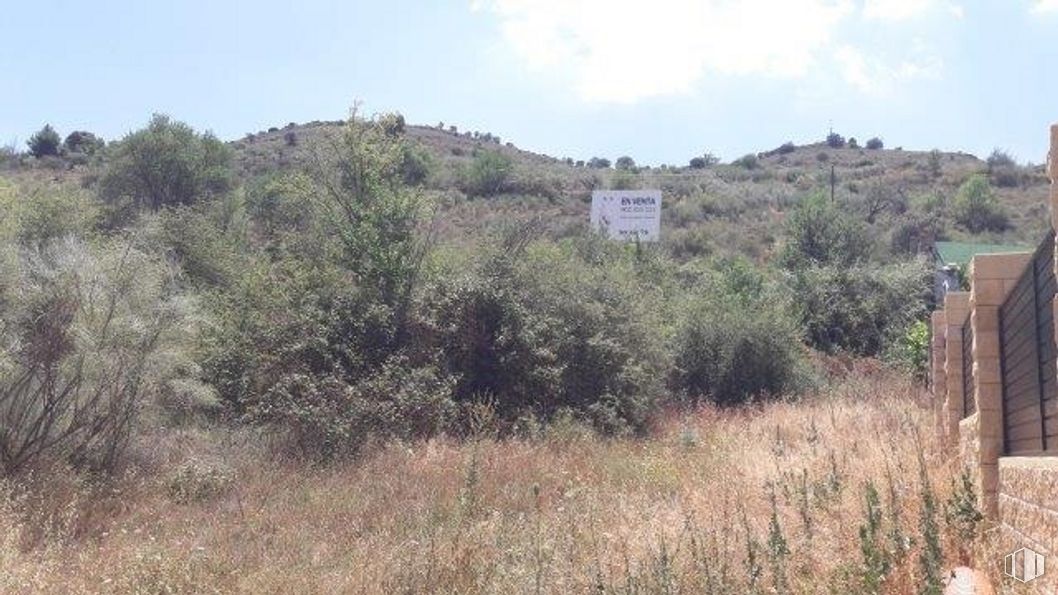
point(956, 310)
point(992, 276)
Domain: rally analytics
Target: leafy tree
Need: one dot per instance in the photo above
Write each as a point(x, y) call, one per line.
point(625, 163)
point(45, 142)
point(976, 207)
point(599, 163)
point(875, 144)
point(852, 143)
point(488, 174)
point(835, 140)
point(863, 308)
point(82, 142)
point(748, 161)
point(819, 232)
point(166, 164)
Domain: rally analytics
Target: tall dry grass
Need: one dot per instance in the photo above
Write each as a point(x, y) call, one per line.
point(763, 499)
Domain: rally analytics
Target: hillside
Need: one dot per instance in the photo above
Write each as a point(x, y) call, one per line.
point(734, 208)
point(717, 208)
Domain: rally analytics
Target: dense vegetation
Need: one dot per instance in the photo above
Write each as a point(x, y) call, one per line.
point(163, 279)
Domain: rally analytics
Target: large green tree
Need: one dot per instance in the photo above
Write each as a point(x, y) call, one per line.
point(166, 164)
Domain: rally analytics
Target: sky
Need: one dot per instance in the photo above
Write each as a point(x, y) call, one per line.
point(659, 80)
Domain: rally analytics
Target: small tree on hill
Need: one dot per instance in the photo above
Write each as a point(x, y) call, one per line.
point(875, 144)
point(167, 164)
point(625, 163)
point(599, 163)
point(835, 140)
point(818, 232)
point(488, 175)
point(82, 142)
point(976, 207)
point(44, 142)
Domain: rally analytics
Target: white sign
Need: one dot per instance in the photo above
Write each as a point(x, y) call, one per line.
point(627, 214)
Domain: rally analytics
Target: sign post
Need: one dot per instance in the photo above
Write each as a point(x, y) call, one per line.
point(627, 214)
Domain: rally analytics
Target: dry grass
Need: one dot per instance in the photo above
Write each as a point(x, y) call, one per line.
point(569, 513)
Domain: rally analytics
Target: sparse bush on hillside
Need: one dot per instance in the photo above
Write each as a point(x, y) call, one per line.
point(1003, 170)
point(82, 142)
point(290, 138)
point(819, 232)
point(747, 161)
point(860, 308)
point(976, 208)
point(736, 342)
point(45, 142)
point(933, 164)
point(835, 140)
point(785, 148)
point(488, 174)
point(415, 165)
point(165, 164)
point(92, 337)
point(875, 144)
point(536, 329)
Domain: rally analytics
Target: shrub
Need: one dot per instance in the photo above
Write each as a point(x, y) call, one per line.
point(1003, 170)
point(785, 148)
point(853, 144)
point(862, 308)
point(875, 144)
point(976, 208)
point(820, 232)
point(290, 138)
point(835, 140)
point(747, 161)
point(166, 164)
point(538, 329)
point(45, 142)
point(909, 350)
point(96, 333)
point(625, 163)
point(933, 163)
point(697, 163)
point(599, 163)
point(415, 165)
point(82, 142)
point(736, 343)
point(488, 174)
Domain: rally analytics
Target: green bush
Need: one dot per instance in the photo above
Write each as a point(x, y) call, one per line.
point(860, 308)
point(737, 342)
point(540, 328)
point(82, 142)
point(976, 208)
point(747, 161)
point(89, 341)
point(875, 144)
point(488, 174)
point(45, 142)
point(820, 232)
point(165, 164)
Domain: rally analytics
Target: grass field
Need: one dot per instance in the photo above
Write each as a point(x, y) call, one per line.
point(768, 498)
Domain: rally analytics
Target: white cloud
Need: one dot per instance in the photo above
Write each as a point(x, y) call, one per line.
point(903, 10)
point(876, 77)
point(895, 10)
point(1045, 6)
point(624, 51)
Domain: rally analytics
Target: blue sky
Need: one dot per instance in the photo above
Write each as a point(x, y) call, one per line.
point(661, 81)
